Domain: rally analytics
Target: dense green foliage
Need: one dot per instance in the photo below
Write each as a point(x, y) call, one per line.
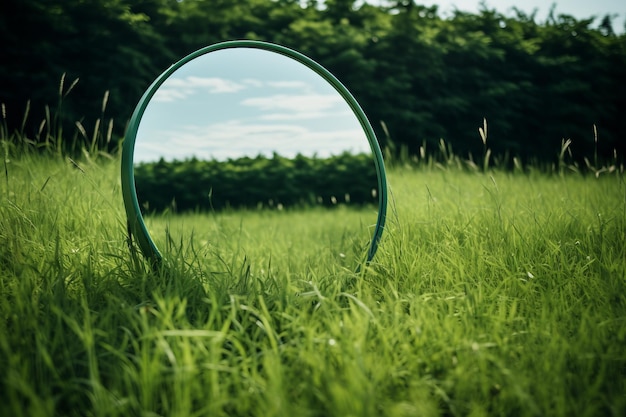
point(493, 293)
point(256, 182)
point(427, 78)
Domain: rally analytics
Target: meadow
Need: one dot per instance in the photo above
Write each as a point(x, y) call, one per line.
point(494, 292)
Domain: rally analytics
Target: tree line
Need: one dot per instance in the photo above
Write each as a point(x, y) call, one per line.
point(419, 77)
point(260, 182)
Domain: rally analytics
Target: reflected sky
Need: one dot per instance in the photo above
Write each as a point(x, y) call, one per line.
point(245, 102)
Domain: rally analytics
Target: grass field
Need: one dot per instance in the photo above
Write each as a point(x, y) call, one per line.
point(288, 239)
point(492, 293)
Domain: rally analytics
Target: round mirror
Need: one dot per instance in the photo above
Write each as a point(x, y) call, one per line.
point(252, 142)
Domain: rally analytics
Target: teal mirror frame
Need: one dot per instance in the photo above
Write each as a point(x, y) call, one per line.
point(136, 224)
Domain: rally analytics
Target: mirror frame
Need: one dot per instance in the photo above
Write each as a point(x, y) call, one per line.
point(136, 224)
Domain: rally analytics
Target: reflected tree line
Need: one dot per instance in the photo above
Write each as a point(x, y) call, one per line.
point(261, 182)
point(426, 77)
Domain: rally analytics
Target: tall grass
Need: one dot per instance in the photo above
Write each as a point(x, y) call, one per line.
point(50, 137)
point(493, 292)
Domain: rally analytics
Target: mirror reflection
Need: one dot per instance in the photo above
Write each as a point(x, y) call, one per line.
point(244, 132)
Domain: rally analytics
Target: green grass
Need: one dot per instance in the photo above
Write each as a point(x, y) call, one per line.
point(492, 293)
point(288, 239)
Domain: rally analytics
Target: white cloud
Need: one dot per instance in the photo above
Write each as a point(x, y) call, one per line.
point(295, 103)
point(288, 84)
point(171, 94)
point(234, 139)
point(253, 82)
point(180, 88)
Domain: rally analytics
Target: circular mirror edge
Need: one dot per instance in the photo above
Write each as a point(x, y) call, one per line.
point(136, 224)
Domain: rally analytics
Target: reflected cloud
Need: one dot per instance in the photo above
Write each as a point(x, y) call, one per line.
point(294, 116)
point(252, 82)
point(235, 139)
point(305, 115)
point(288, 84)
point(301, 103)
point(180, 88)
point(166, 95)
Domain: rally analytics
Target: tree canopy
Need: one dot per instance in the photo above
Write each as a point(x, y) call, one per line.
point(426, 77)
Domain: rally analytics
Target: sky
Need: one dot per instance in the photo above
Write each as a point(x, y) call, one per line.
point(245, 102)
point(580, 9)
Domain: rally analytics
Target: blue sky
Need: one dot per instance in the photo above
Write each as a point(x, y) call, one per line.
point(236, 102)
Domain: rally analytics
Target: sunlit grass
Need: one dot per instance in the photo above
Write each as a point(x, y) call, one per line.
point(492, 293)
point(288, 240)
